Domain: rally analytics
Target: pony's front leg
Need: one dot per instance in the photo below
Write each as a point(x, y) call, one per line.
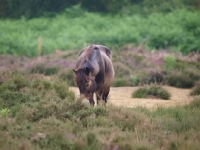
point(92, 101)
point(105, 94)
point(98, 96)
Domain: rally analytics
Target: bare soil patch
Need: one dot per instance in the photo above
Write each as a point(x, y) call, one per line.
point(121, 96)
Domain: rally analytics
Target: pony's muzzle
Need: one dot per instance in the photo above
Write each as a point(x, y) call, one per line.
point(84, 100)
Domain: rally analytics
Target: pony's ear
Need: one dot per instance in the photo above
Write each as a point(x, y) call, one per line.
point(74, 71)
point(87, 71)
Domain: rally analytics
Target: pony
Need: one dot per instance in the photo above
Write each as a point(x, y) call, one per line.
point(94, 73)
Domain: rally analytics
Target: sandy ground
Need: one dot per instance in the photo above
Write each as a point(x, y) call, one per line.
point(121, 96)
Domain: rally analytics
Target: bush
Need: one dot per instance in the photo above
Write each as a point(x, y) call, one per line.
point(67, 76)
point(159, 92)
point(4, 76)
point(183, 78)
point(169, 62)
point(11, 98)
point(153, 90)
point(155, 76)
point(41, 85)
point(134, 80)
point(55, 141)
point(120, 83)
point(17, 83)
point(140, 93)
point(62, 90)
point(42, 69)
point(196, 89)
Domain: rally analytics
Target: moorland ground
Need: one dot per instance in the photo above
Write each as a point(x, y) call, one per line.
point(121, 96)
point(38, 111)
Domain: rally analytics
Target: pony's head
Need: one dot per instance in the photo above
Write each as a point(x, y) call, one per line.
point(85, 80)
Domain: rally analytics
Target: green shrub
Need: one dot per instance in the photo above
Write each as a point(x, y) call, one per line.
point(140, 93)
point(17, 83)
point(134, 80)
point(55, 141)
point(153, 90)
point(183, 78)
point(92, 141)
point(4, 113)
point(178, 119)
point(62, 90)
point(42, 69)
point(67, 76)
point(169, 62)
point(120, 83)
point(41, 85)
point(159, 92)
point(196, 89)
point(4, 76)
point(195, 104)
point(154, 77)
point(11, 98)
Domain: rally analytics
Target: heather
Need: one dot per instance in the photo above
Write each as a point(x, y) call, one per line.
point(38, 113)
point(137, 66)
point(152, 91)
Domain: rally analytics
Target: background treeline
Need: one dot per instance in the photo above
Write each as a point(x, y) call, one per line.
point(64, 25)
point(74, 29)
point(35, 8)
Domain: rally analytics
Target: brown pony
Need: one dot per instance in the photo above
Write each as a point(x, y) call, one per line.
point(94, 73)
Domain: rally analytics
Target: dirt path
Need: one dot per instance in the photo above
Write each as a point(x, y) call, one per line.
point(121, 96)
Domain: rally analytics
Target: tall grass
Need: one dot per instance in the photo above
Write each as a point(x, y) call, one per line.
point(177, 30)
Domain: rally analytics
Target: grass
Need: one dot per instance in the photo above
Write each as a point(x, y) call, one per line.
point(177, 30)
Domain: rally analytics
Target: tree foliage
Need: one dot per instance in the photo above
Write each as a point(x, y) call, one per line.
point(35, 8)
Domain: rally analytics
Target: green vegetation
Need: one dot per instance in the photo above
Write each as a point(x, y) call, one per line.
point(152, 91)
point(36, 113)
point(140, 93)
point(4, 113)
point(30, 9)
point(177, 30)
point(37, 109)
point(46, 70)
point(134, 79)
point(184, 75)
point(120, 82)
point(155, 67)
point(169, 62)
point(196, 89)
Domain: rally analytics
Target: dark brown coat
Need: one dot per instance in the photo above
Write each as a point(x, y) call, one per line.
point(94, 72)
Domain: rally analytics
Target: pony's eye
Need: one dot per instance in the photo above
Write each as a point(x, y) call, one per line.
point(87, 84)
